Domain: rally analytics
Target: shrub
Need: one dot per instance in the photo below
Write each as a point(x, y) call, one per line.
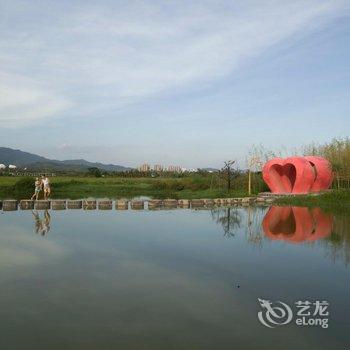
point(188, 183)
point(24, 188)
point(168, 185)
point(65, 184)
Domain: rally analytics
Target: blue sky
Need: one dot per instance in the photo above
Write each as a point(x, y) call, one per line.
point(174, 82)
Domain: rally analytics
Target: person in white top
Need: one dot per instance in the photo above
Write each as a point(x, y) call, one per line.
point(46, 185)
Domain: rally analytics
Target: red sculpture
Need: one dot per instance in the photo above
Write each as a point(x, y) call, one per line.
point(297, 224)
point(298, 174)
point(323, 173)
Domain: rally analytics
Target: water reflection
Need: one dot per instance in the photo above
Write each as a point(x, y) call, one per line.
point(291, 224)
point(42, 224)
point(101, 275)
point(234, 220)
point(297, 224)
point(229, 218)
point(338, 243)
point(294, 225)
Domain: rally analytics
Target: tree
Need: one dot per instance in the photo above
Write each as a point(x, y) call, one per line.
point(337, 151)
point(227, 173)
point(254, 163)
point(257, 156)
point(94, 172)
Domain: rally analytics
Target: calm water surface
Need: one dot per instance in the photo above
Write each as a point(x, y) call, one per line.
point(170, 279)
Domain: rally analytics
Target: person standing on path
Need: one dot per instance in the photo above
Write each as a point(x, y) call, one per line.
point(46, 185)
point(38, 188)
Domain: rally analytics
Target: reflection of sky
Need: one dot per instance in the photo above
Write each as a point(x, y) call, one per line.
point(155, 278)
point(18, 248)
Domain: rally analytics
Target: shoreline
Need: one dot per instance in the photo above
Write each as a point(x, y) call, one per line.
point(331, 201)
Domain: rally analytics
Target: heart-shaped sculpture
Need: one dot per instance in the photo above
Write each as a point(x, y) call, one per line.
point(290, 175)
point(323, 173)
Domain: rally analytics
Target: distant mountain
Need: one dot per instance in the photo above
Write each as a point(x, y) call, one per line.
point(210, 169)
point(19, 158)
point(34, 162)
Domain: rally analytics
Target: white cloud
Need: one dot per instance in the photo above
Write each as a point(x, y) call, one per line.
point(23, 101)
point(80, 57)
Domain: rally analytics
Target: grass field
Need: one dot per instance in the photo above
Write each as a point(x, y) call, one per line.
point(191, 187)
point(115, 187)
point(332, 201)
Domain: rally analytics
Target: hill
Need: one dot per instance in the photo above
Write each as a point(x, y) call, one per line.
point(35, 162)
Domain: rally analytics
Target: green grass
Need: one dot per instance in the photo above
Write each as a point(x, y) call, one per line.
point(117, 187)
point(332, 201)
point(6, 186)
point(188, 187)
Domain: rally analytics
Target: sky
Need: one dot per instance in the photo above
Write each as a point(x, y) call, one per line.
point(191, 83)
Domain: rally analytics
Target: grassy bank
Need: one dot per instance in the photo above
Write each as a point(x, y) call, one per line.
point(115, 187)
point(332, 201)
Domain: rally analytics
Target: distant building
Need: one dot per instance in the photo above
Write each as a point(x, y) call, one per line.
point(158, 168)
point(174, 169)
point(2, 166)
point(12, 167)
point(144, 167)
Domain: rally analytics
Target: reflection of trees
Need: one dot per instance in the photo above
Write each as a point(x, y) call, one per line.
point(229, 218)
point(338, 243)
point(232, 219)
point(253, 230)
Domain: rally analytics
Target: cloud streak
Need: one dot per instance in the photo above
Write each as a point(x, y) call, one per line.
point(73, 59)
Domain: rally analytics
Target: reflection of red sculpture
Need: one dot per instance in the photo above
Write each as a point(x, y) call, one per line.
point(297, 224)
point(297, 174)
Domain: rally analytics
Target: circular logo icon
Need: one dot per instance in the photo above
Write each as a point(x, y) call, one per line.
point(274, 314)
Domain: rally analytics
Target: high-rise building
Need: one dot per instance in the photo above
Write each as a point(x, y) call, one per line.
point(174, 168)
point(158, 168)
point(144, 167)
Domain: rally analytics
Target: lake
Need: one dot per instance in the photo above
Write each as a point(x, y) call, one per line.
point(174, 279)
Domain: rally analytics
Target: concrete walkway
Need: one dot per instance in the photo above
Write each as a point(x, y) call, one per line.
point(123, 204)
